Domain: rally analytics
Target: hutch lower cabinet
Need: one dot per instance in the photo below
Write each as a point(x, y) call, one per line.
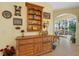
point(33, 45)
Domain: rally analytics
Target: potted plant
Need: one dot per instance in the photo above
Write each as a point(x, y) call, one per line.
point(73, 38)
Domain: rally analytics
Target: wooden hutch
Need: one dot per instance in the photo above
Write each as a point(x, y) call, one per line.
point(35, 44)
point(34, 17)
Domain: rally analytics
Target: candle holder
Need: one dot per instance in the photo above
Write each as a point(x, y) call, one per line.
point(22, 31)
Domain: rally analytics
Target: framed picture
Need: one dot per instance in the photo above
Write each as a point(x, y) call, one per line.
point(46, 15)
point(17, 21)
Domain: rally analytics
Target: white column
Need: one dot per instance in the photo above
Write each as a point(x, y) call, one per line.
point(77, 32)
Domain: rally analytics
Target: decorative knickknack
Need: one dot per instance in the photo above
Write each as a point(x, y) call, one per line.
point(45, 28)
point(6, 14)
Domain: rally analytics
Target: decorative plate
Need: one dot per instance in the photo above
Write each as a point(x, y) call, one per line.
point(7, 14)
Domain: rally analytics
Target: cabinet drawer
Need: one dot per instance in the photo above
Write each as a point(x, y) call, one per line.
point(26, 53)
point(47, 44)
point(47, 39)
point(37, 40)
point(29, 54)
point(26, 41)
point(24, 48)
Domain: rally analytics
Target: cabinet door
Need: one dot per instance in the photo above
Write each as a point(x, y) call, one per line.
point(47, 47)
point(38, 48)
point(26, 50)
point(47, 44)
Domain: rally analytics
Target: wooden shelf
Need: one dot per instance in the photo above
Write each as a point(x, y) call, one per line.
point(34, 17)
point(33, 14)
point(35, 24)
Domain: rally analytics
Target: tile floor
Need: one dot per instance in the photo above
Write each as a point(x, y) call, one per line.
point(64, 48)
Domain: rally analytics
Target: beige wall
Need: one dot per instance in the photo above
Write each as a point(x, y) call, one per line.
point(8, 33)
point(74, 11)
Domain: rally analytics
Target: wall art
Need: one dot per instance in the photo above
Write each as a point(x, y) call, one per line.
point(17, 10)
point(17, 21)
point(6, 14)
point(46, 15)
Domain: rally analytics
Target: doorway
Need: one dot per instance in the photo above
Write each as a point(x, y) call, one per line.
point(65, 26)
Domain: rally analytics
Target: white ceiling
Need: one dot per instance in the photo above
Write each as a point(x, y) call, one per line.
point(59, 5)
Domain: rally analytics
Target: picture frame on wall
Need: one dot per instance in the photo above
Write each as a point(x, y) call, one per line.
point(46, 15)
point(17, 21)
